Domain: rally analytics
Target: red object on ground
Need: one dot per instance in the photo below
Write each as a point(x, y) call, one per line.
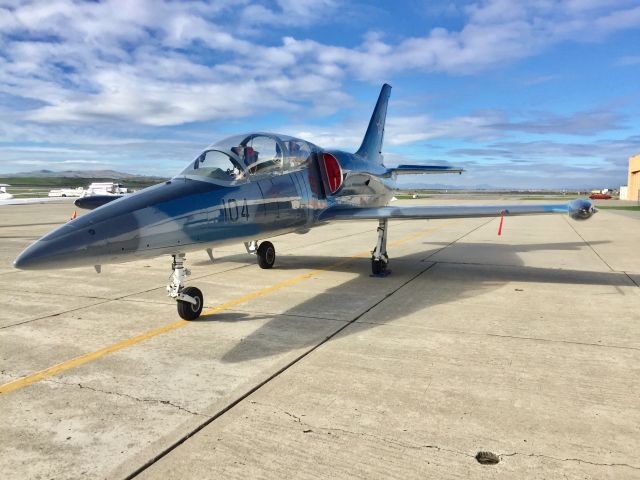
point(599, 196)
point(75, 214)
point(501, 222)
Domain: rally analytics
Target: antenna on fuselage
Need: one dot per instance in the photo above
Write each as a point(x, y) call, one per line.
point(371, 147)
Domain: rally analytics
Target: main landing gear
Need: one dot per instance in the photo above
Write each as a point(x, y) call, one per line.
point(379, 257)
point(265, 252)
point(188, 299)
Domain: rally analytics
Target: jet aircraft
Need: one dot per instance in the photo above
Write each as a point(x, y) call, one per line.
point(249, 188)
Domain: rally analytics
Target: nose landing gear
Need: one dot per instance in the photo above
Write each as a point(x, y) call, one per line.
point(189, 300)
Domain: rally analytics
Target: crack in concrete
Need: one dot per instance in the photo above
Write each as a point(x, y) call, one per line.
point(390, 441)
point(124, 395)
point(579, 460)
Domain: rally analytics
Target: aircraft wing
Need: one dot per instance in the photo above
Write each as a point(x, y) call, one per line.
point(576, 209)
point(28, 201)
point(421, 169)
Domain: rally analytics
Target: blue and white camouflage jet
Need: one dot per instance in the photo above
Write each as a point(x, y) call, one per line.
point(248, 188)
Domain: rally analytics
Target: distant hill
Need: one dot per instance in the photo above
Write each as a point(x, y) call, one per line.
point(75, 178)
point(439, 186)
point(111, 174)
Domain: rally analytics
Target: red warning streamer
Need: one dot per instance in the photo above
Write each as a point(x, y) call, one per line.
point(501, 222)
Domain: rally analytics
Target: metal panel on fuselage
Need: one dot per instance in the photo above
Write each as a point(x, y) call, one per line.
point(219, 215)
point(284, 207)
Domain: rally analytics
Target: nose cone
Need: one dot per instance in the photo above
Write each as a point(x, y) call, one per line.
point(28, 259)
point(50, 251)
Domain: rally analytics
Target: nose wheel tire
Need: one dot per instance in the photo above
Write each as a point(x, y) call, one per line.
point(378, 267)
point(188, 310)
point(266, 255)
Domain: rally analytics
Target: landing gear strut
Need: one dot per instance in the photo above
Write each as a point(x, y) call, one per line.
point(379, 257)
point(188, 299)
point(265, 252)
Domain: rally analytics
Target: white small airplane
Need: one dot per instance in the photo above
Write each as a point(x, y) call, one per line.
point(4, 195)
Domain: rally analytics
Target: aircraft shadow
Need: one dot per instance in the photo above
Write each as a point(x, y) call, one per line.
point(351, 299)
point(507, 253)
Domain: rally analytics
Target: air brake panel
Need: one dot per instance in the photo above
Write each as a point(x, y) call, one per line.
point(332, 172)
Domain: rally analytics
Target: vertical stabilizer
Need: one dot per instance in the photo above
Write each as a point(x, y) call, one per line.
point(371, 147)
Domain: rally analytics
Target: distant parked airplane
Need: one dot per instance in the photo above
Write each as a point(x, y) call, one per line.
point(4, 195)
point(250, 187)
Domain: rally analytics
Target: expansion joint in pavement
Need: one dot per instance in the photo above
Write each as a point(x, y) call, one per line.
point(457, 240)
point(631, 278)
point(498, 335)
point(586, 242)
point(57, 314)
point(288, 314)
point(275, 375)
point(109, 300)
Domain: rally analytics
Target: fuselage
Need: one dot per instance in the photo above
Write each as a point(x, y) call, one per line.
point(194, 211)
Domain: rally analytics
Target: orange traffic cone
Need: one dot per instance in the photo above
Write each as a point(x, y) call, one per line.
point(75, 214)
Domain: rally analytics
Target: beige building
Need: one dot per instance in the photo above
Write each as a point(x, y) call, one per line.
point(633, 183)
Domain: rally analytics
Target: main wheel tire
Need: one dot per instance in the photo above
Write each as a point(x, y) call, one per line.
point(187, 310)
point(378, 267)
point(266, 255)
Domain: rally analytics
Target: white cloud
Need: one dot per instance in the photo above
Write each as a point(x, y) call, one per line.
point(627, 61)
point(168, 63)
point(484, 126)
point(117, 73)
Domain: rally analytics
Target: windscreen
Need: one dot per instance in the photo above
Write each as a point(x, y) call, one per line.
point(233, 159)
point(217, 165)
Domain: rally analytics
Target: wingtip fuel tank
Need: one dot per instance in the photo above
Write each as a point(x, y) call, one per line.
point(581, 209)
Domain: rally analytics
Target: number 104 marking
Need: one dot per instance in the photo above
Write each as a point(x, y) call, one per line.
point(233, 211)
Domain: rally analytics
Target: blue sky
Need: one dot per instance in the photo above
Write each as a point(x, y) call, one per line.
point(540, 93)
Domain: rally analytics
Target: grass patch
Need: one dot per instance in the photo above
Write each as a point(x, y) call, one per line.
point(632, 208)
point(550, 198)
point(410, 197)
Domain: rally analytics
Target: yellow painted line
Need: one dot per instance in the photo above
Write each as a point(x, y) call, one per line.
point(88, 357)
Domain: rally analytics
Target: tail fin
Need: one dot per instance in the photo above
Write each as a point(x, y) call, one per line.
point(371, 147)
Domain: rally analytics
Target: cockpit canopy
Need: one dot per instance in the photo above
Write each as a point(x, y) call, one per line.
point(237, 158)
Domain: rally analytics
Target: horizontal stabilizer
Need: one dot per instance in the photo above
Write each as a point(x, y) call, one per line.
point(577, 209)
point(418, 169)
